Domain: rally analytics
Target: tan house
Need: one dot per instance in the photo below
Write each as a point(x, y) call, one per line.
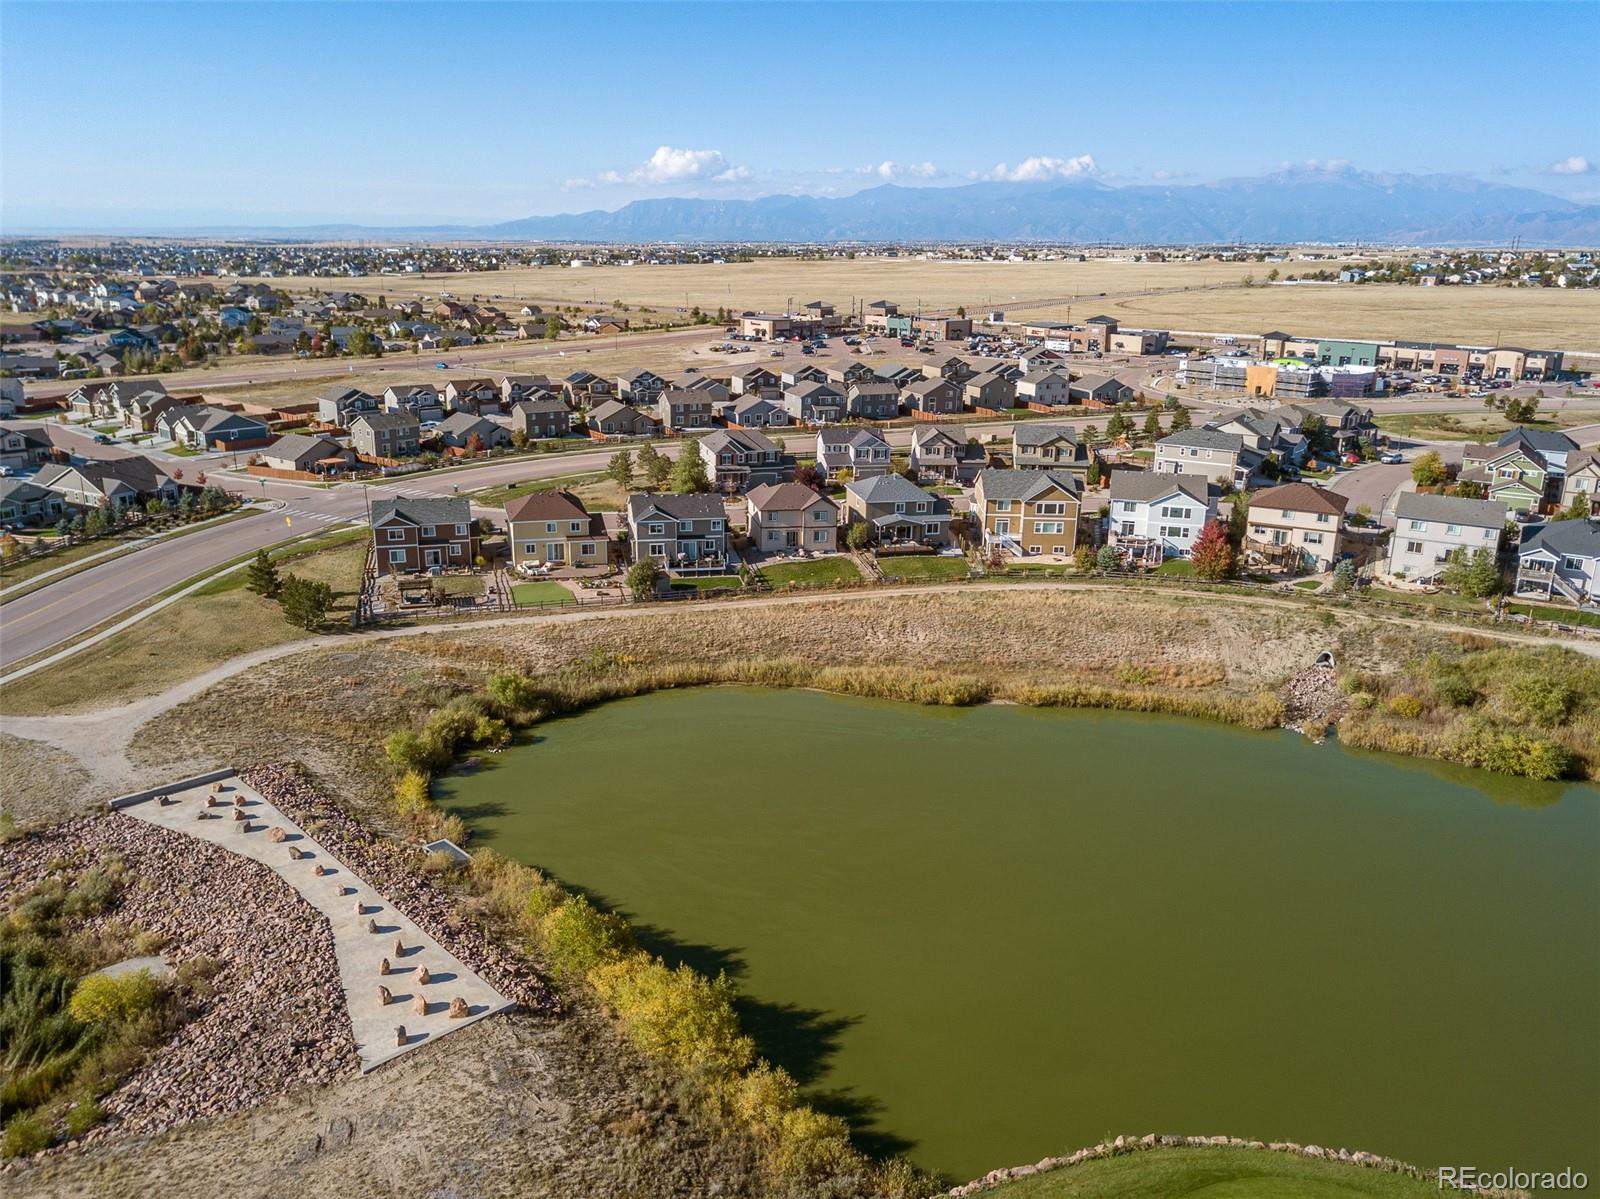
point(788, 517)
point(1027, 512)
point(1036, 445)
point(553, 528)
point(1297, 526)
point(1582, 478)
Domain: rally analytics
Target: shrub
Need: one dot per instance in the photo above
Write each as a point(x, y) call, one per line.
point(1510, 751)
point(83, 1116)
point(1538, 699)
point(675, 1014)
point(1408, 706)
point(643, 577)
point(514, 694)
point(107, 999)
point(26, 1133)
point(411, 752)
point(577, 937)
point(411, 793)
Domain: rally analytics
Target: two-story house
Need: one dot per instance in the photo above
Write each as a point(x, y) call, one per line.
point(814, 402)
point(1099, 391)
point(740, 458)
point(1582, 478)
point(1028, 512)
point(476, 396)
point(640, 387)
point(947, 453)
point(421, 400)
point(424, 534)
point(1043, 389)
point(22, 446)
point(386, 434)
point(541, 418)
point(1516, 474)
point(759, 412)
point(852, 453)
point(339, 404)
point(872, 401)
point(1428, 528)
point(1561, 560)
point(553, 528)
point(1158, 516)
point(516, 388)
point(755, 380)
point(897, 512)
point(1037, 445)
point(990, 391)
point(681, 532)
point(1296, 525)
point(929, 399)
point(613, 418)
point(680, 408)
point(1220, 457)
point(788, 517)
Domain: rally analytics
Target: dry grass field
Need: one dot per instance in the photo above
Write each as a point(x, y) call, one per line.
point(1183, 295)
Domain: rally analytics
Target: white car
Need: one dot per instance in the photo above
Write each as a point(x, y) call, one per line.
point(1390, 458)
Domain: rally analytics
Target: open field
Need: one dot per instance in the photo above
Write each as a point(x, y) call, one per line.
point(1470, 424)
point(1181, 295)
point(597, 490)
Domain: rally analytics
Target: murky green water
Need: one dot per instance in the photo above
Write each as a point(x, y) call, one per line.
point(992, 934)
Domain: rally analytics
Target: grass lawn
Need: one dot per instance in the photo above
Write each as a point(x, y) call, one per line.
point(598, 493)
point(930, 566)
point(23, 571)
point(543, 592)
point(1560, 615)
point(186, 638)
point(1216, 1174)
point(1309, 584)
point(1470, 424)
point(820, 571)
point(460, 584)
point(706, 583)
point(1177, 568)
point(1437, 599)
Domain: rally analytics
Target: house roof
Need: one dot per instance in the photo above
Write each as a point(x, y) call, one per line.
point(922, 387)
point(808, 388)
point(1452, 509)
point(386, 420)
point(540, 405)
point(606, 409)
point(1205, 439)
point(748, 440)
point(465, 422)
point(547, 505)
point(1029, 434)
point(1300, 497)
point(682, 395)
point(926, 433)
point(785, 497)
point(1039, 374)
point(1093, 382)
point(342, 393)
point(297, 445)
point(835, 436)
point(432, 510)
point(1543, 440)
point(679, 507)
point(1143, 486)
point(1571, 538)
point(1024, 484)
point(888, 489)
point(874, 389)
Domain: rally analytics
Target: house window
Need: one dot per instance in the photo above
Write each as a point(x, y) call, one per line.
point(1128, 505)
point(1413, 547)
point(427, 530)
point(1002, 505)
point(930, 530)
point(1452, 529)
point(658, 550)
point(549, 526)
point(1313, 538)
point(1049, 526)
point(1416, 526)
point(397, 556)
point(820, 536)
point(455, 549)
point(1002, 527)
point(1322, 518)
point(1570, 563)
point(395, 534)
point(1053, 508)
point(655, 530)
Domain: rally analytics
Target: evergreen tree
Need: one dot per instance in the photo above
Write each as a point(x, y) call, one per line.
point(620, 469)
point(262, 575)
point(305, 603)
point(1181, 420)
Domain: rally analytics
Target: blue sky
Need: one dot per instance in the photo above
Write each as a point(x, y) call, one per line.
point(131, 114)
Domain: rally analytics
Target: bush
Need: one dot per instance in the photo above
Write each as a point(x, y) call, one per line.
point(675, 1014)
point(109, 999)
point(1408, 706)
point(83, 1116)
point(1509, 751)
point(577, 937)
point(26, 1133)
point(514, 694)
point(643, 577)
point(1537, 699)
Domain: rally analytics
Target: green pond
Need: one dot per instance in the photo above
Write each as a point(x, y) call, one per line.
point(990, 934)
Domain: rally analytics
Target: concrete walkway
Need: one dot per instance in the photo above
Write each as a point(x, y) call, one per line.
point(367, 929)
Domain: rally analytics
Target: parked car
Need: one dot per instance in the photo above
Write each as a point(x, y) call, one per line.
point(101, 439)
point(1390, 458)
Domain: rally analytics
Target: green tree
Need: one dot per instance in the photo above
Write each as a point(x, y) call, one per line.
point(1090, 434)
point(1116, 427)
point(654, 465)
point(1428, 470)
point(1475, 575)
point(1213, 557)
point(642, 578)
point(1181, 420)
point(1579, 509)
point(689, 471)
point(1091, 477)
point(1238, 520)
point(1152, 425)
point(620, 469)
point(552, 326)
point(1107, 558)
point(1344, 575)
point(857, 536)
point(305, 602)
point(262, 575)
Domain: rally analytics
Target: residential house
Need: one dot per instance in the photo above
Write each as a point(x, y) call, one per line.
point(308, 452)
point(897, 512)
point(872, 401)
point(1428, 528)
point(814, 402)
point(1345, 425)
point(116, 483)
point(202, 427)
point(554, 528)
point(846, 375)
point(1264, 434)
point(459, 428)
point(681, 532)
point(929, 399)
point(953, 369)
point(1518, 474)
point(1036, 445)
point(681, 409)
point(22, 446)
point(852, 452)
point(1551, 444)
point(789, 517)
point(1158, 516)
point(1099, 391)
point(421, 400)
point(1561, 560)
point(1028, 512)
point(516, 388)
point(640, 387)
point(338, 405)
point(541, 419)
point(803, 373)
point(613, 418)
point(758, 412)
point(585, 388)
point(605, 324)
point(991, 390)
point(1582, 478)
point(1297, 525)
point(476, 396)
point(1043, 389)
point(424, 534)
point(945, 452)
point(754, 380)
point(386, 434)
point(1220, 457)
point(740, 458)
point(24, 504)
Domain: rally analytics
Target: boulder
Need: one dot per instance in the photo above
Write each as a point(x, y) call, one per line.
point(383, 966)
point(275, 834)
point(458, 1008)
point(372, 926)
point(239, 814)
point(423, 977)
point(420, 1006)
point(385, 997)
point(295, 853)
point(319, 870)
point(399, 1034)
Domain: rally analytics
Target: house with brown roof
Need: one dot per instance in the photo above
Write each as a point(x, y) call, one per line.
point(553, 528)
point(788, 517)
point(613, 418)
point(1297, 526)
point(478, 396)
point(680, 408)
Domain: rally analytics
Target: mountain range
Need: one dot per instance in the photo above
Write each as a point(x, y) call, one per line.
point(1302, 205)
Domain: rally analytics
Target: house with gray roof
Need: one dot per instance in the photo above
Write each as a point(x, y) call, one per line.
point(1428, 528)
point(1561, 560)
point(115, 482)
point(740, 458)
point(24, 504)
point(1039, 445)
point(872, 400)
point(687, 533)
point(897, 512)
point(856, 452)
point(424, 534)
point(1158, 516)
point(309, 452)
point(755, 411)
point(1221, 457)
point(459, 428)
point(386, 434)
point(1028, 512)
point(339, 404)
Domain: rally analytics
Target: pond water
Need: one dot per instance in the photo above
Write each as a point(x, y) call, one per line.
point(990, 934)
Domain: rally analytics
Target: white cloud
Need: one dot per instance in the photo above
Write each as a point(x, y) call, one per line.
point(1041, 167)
point(671, 165)
point(1577, 164)
point(889, 169)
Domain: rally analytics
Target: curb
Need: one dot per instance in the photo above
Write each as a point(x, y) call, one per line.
point(199, 780)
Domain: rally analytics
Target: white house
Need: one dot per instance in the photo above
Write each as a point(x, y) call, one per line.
point(1561, 560)
point(1156, 516)
point(1428, 527)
